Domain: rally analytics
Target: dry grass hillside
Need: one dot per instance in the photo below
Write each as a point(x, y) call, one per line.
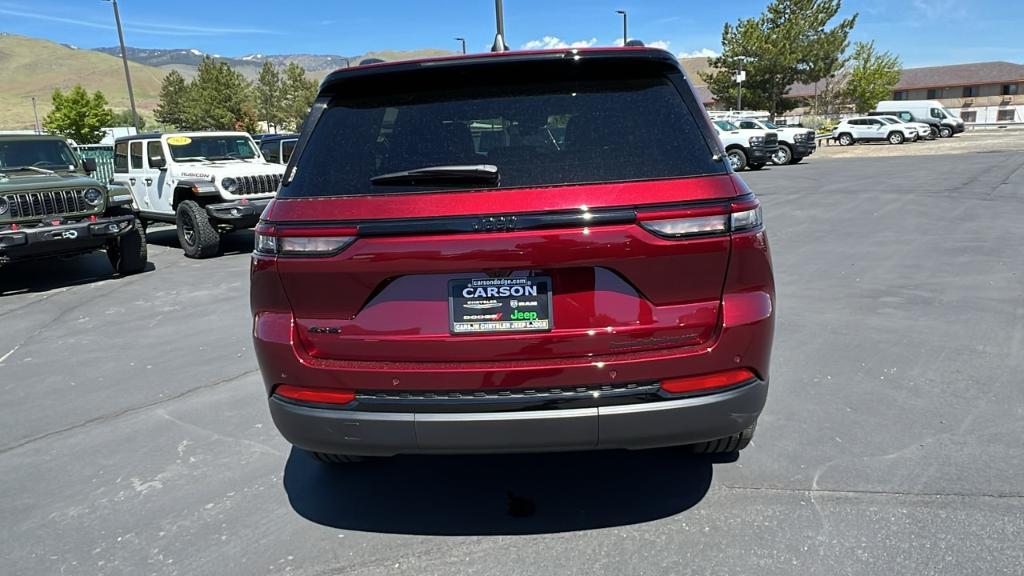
point(33, 67)
point(693, 67)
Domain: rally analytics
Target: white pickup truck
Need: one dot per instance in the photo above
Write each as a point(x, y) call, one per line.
point(205, 183)
point(750, 149)
point(795, 144)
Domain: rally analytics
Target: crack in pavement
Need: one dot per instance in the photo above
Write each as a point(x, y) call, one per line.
point(126, 412)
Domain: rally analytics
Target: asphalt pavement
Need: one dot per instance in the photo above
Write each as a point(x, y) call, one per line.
point(135, 438)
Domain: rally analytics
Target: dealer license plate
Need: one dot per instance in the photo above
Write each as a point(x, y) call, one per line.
point(495, 305)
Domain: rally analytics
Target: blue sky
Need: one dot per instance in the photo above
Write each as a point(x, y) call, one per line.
point(921, 32)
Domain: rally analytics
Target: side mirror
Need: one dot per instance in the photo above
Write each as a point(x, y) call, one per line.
point(158, 163)
point(89, 164)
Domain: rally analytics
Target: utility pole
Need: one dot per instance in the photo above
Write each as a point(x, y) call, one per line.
point(39, 128)
point(625, 29)
point(499, 38)
point(740, 77)
point(124, 58)
point(463, 40)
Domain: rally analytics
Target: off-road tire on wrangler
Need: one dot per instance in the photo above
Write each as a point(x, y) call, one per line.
point(129, 254)
point(198, 238)
point(737, 159)
point(733, 443)
point(337, 458)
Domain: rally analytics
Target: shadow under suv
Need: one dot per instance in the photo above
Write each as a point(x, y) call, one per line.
point(515, 252)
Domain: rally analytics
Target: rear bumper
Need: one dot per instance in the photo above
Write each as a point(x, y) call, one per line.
point(42, 241)
point(631, 426)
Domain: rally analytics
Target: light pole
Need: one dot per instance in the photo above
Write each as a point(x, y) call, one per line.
point(463, 40)
point(124, 58)
point(499, 38)
point(625, 30)
point(740, 77)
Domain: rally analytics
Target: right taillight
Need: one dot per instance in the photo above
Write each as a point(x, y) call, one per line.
point(315, 241)
point(712, 220)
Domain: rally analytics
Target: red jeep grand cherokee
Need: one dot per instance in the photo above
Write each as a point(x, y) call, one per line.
point(515, 252)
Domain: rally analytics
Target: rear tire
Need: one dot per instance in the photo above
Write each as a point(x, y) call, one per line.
point(337, 458)
point(737, 159)
point(845, 140)
point(129, 254)
point(198, 238)
point(733, 443)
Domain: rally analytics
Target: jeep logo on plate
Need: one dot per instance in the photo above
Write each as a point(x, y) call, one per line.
point(495, 224)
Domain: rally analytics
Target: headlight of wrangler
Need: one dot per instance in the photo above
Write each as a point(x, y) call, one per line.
point(4, 206)
point(230, 184)
point(93, 196)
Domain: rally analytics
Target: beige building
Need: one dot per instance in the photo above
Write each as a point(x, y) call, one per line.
point(984, 93)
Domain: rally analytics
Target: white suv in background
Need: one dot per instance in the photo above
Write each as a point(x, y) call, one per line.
point(872, 129)
point(205, 183)
point(924, 131)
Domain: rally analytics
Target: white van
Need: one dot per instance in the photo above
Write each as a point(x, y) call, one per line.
point(921, 109)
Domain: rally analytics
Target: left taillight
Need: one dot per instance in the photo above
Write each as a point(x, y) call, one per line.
point(315, 395)
point(272, 240)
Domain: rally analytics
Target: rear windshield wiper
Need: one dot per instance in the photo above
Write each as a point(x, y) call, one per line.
point(475, 173)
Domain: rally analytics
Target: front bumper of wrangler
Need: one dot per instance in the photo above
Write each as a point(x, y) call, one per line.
point(40, 241)
point(240, 213)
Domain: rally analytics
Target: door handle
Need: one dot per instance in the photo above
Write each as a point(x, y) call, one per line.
point(149, 181)
point(132, 180)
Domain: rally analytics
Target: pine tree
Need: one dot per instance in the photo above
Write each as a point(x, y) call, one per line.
point(268, 94)
point(79, 116)
point(217, 97)
point(299, 94)
point(789, 43)
point(174, 102)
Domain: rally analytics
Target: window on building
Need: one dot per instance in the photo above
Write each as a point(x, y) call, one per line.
point(1010, 89)
point(1005, 115)
point(969, 115)
point(970, 91)
point(933, 93)
point(899, 95)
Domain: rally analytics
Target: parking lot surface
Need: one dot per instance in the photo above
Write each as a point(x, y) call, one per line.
point(135, 438)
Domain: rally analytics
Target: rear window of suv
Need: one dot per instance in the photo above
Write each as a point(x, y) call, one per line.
point(573, 125)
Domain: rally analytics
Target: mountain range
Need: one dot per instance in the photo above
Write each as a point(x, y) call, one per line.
point(34, 67)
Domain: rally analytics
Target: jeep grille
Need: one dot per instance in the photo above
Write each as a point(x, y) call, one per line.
point(49, 203)
point(262, 184)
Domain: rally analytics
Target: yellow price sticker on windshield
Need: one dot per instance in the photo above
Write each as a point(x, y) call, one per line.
point(179, 140)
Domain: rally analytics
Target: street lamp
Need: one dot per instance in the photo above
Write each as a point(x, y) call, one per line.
point(625, 31)
point(463, 40)
point(741, 75)
point(499, 38)
point(124, 58)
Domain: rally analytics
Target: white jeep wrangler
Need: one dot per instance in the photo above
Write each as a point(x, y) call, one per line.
point(205, 183)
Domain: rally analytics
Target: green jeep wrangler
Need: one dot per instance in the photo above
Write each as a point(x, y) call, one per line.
point(50, 206)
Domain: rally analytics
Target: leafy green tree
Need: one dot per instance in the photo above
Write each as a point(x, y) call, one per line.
point(173, 109)
point(299, 94)
point(78, 115)
point(872, 76)
point(268, 95)
point(790, 42)
point(217, 97)
point(124, 118)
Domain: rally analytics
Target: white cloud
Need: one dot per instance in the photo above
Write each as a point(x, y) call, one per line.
point(663, 44)
point(702, 53)
point(549, 42)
